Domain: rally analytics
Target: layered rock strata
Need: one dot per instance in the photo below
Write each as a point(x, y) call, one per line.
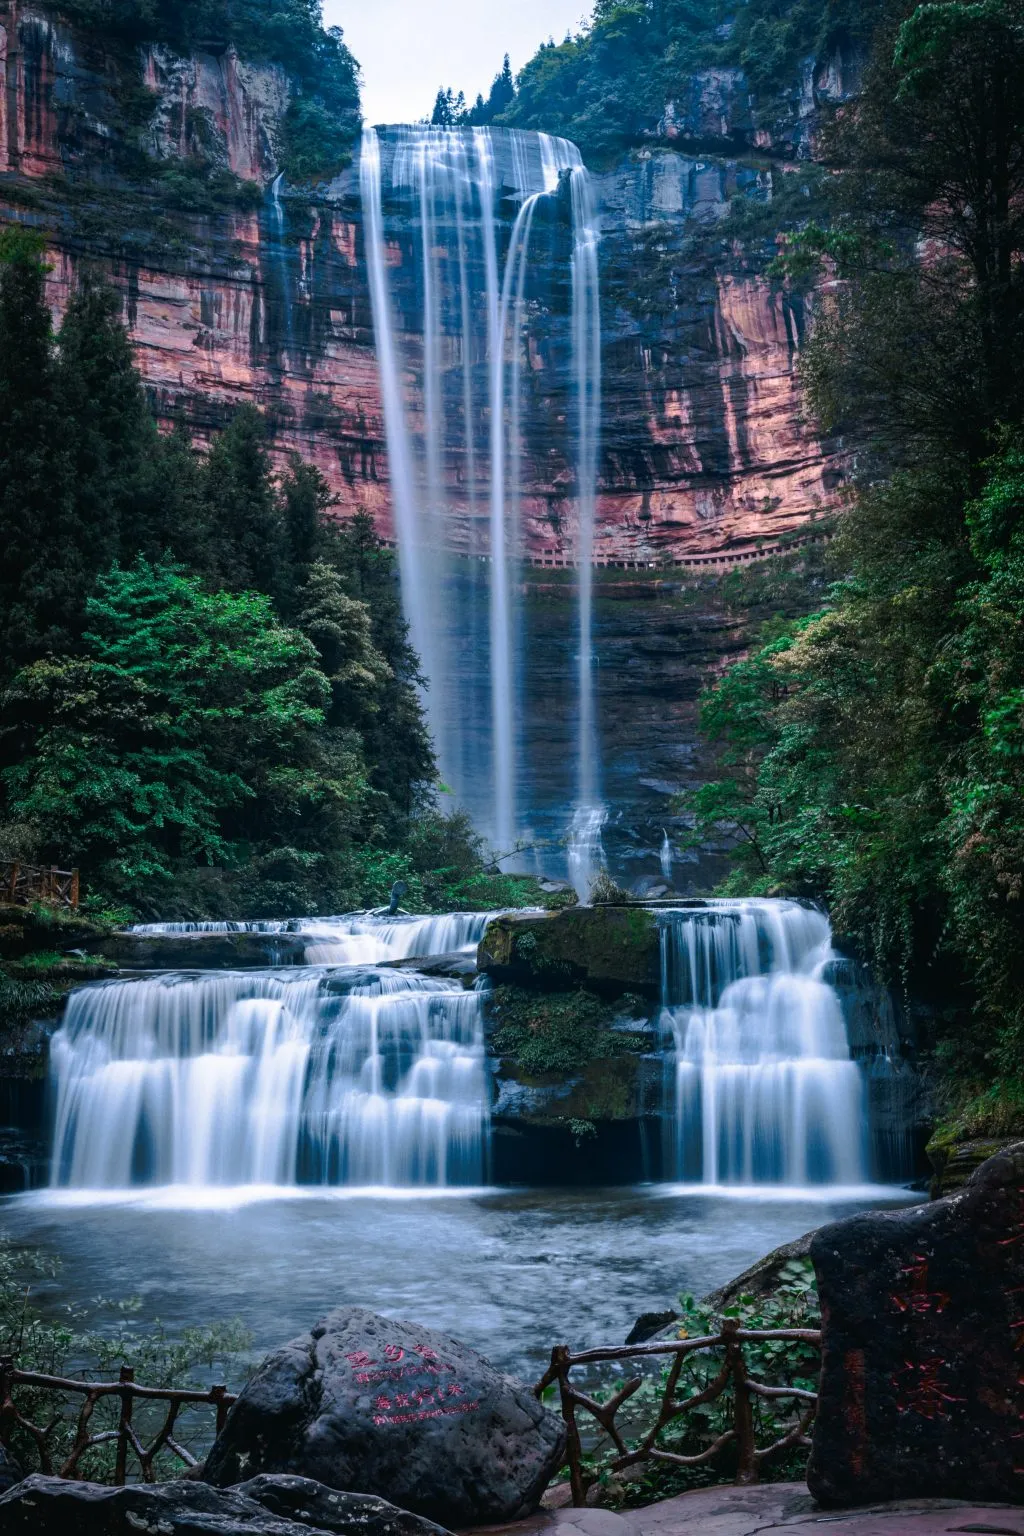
point(234, 297)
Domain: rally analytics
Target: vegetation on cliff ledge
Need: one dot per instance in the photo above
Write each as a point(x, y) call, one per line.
point(873, 752)
point(606, 87)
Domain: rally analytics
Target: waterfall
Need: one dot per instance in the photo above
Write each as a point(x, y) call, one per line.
point(360, 938)
point(270, 1078)
point(465, 271)
point(765, 1088)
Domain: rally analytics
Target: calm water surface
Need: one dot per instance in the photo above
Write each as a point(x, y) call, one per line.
point(509, 1272)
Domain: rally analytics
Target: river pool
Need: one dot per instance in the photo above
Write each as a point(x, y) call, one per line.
point(510, 1272)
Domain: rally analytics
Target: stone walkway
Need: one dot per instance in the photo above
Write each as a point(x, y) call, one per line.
point(730, 1511)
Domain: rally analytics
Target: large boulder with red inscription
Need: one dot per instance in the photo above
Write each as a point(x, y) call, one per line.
point(922, 1389)
point(373, 1406)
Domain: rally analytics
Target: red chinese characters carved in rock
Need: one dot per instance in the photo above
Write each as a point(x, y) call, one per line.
point(917, 1297)
point(921, 1388)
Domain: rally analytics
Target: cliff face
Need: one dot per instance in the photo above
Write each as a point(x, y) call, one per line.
point(128, 163)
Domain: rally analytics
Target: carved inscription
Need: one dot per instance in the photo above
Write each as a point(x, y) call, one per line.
point(417, 1404)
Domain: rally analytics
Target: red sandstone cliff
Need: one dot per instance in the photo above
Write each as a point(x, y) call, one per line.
point(705, 446)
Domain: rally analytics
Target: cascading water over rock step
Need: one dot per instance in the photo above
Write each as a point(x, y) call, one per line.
point(765, 1087)
point(270, 1078)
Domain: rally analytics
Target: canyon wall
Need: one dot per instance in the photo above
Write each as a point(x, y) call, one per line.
point(160, 172)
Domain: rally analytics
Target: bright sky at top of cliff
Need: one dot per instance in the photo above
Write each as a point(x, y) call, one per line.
point(409, 48)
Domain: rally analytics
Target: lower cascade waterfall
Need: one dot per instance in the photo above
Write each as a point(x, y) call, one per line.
point(270, 1078)
point(764, 1085)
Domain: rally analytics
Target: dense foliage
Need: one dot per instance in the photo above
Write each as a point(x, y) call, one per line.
point(209, 703)
point(607, 85)
point(873, 752)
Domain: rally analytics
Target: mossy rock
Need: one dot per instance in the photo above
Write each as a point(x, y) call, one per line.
point(609, 949)
point(955, 1160)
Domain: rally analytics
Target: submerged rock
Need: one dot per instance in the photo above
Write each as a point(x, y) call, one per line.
point(267, 1506)
point(923, 1320)
point(380, 1407)
point(611, 949)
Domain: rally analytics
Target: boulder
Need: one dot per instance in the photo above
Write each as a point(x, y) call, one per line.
point(380, 1407)
point(922, 1388)
point(610, 949)
point(268, 1506)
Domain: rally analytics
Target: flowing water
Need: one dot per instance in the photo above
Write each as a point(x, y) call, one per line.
point(267, 1144)
point(360, 938)
point(470, 277)
point(765, 1087)
point(270, 1078)
point(336, 1074)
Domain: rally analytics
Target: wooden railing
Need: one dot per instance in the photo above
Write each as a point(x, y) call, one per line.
point(23, 884)
point(125, 1435)
point(644, 1446)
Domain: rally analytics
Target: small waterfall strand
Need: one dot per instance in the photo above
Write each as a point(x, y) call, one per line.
point(270, 1078)
point(764, 1085)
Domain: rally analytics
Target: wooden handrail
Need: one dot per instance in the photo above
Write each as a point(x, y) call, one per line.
point(734, 1373)
point(125, 1435)
point(23, 884)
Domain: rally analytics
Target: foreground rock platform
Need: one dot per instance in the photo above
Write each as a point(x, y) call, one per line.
point(728, 1511)
point(265, 1506)
point(365, 1404)
point(922, 1387)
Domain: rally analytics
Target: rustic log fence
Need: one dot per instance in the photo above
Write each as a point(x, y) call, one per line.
point(125, 1436)
point(23, 884)
point(734, 1374)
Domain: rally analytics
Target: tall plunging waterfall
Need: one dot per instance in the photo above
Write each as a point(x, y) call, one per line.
point(270, 1078)
point(468, 204)
point(765, 1088)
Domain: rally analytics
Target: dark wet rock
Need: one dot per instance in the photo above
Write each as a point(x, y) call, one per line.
point(10, 1471)
point(923, 1318)
point(649, 1324)
point(327, 1509)
point(48, 1506)
point(456, 966)
point(373, 1406)
point(611, 949)
point(202, 951)
point(762, 1278)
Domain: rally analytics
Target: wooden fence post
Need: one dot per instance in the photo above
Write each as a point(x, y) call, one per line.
point(7, 1409)
point(15, 872)
point(127, 1401)
point(217, 1396)
point(746, 1443)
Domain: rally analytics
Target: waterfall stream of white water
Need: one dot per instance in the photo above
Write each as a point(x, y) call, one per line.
point(440, 196)
point(765, 1087)
point(270, 1078)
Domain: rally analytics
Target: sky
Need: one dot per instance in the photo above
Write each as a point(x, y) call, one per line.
point(408, 48)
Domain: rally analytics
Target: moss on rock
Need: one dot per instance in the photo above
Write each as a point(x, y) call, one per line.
point(612, 950)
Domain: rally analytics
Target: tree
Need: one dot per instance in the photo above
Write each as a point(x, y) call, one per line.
point(35, 478)
point(185, 733)
point(243, 508)
point(449, 109)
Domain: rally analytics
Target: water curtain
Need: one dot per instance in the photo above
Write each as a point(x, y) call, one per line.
point(765, 1088)
point(270, 1078)
point(444, 192)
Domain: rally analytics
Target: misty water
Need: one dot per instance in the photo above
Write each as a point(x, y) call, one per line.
point(509, 1272)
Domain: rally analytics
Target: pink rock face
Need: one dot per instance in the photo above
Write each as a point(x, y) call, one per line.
point(706, 450)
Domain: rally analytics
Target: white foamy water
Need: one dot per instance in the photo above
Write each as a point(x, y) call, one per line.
point(765, 1087)
point(359, 938)
point(270, 1078)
